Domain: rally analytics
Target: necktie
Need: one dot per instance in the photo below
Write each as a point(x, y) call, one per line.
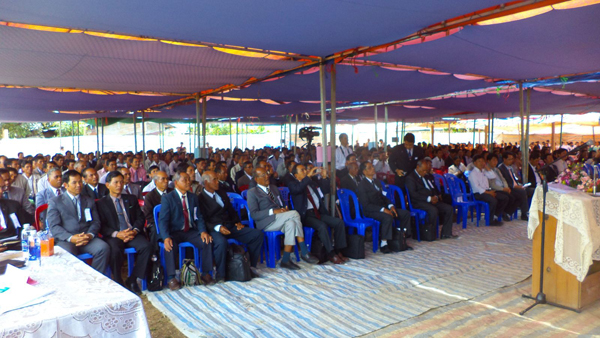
point(512, 176)
point(76, 206)
point(127, 189)
point(96, 193)
point(409, 153)
point(217, 199)
point(122, 221)
point(271, 196)
point(58, 192)
point(5, 195)
point(312, 202)
point(186, 215)
point(375, 185)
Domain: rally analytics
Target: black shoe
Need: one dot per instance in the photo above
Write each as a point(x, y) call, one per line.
point(309, 259)
point(524, 218)
point(385, 249)
point(496, 223)
point(449, 236)
point(289, 265)
point(409, 248)
point(253, 273)
point(506, 218)
point(132, 285)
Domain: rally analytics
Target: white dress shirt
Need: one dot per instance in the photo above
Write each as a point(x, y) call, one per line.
point(437, 163)
point(478, 181)
point(340, 156)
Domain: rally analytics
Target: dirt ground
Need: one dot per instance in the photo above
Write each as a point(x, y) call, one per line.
point(160, 325)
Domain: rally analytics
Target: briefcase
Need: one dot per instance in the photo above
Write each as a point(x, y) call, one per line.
point(355, 248)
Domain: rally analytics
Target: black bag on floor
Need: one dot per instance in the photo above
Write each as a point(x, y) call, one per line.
point(398, 241)
point(238, 264)
point(427, 232)
point(317, 249)
point(156, 276)
point(355, 248)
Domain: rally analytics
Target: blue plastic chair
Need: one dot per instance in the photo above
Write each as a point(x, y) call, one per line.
point(233, 194)
point(589, 169)
point(244, 194)
point(285, 195)
point(182, 246)
point(419, 215)
point(437, 180)
point(130, 252)
point(460, 201)
point(308, 232)
point(359, 223)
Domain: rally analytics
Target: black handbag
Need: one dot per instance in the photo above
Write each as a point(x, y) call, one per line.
point(238, 264)
point(355, 248)
point(427, 232)
point(156, 276)
point(398, 241)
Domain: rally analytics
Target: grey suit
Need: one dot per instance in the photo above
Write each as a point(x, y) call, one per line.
point(18, 194)
point(244, 180)
point(260, 206)
point(23, 183)
point(64, 222)
point(44, 196)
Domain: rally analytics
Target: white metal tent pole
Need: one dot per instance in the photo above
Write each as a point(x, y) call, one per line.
point(290, 131)
point(323, 113)
point(561, 125)
point(103, 121)
point(474, 122)
point(246, 134)
point(333, 150)
point(375, 118)
point(197, 150)
point(73, 135)
point(237, 132)
point(385, 122)
point(204, 150)
point(352, 144)
point(97, 140)
point(528, 111)
point(60, 135)
point(230, 137)
point(397, 135)
point(296, 137)
point(144, 136)
point(190, 136)
point(78, 144)
point(524, 166)
point(135, 132)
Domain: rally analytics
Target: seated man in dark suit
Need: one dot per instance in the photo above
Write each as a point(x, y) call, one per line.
point(266, 208)
point(122, 226)
point(246, 177)
point(552, 172)
point(403, 158)
point(425, 195)
point(180, 221)
point(517, 189)
point(225, 183)
point(288, 176)
point(351, 158)
point(92, 188)
point(8, 228)
point(351, 180)
point(221, 218)
point(128, 187)
point(152, 199)
point(308, 199)
point(74, 222)
point(375, 205)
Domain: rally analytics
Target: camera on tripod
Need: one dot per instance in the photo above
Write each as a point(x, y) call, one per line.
point(308, 133)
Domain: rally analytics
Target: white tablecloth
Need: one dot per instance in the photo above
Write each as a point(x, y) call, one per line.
point(85, 304)
point(578, 226)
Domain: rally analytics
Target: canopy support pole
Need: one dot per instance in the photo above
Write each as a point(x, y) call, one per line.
point(60, 135)
point(401, 140)
point(290, 132)
point(561, 126)
point(97, 141)
point(73, 135)
point(376, 139)
point(525, 167)
point(204, 150)
point(103, 135)
point(397, 135)
point(332, 124)
point(385, 122)
point(144, 136)
point(528, 111)
point(230, 137)
point(323, 114)
point(449, 126)
point(553, 139)
point(432, 132)
point(190, 136)
point(78, 144)
point(246, 135)
point(197, 150)
point(352, 144)
point(296, 137)
point(474, 123)
point(135, 133)
point(492, 132)
point(237, 132)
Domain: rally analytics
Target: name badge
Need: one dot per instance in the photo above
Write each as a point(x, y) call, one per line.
point(15, 220)
point(88, 214)
point(320, 192)
point(195, 213)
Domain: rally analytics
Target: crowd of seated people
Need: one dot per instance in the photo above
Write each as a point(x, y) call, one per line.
point(101, 205)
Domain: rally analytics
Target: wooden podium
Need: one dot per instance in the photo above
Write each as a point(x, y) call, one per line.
point(560, 286)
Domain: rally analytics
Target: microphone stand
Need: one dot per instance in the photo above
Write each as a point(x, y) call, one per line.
point(540, 298)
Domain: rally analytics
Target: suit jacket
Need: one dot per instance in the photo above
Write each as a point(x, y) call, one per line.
point(287, 178)
point(214, 214)
point(171, 214)
point(23, 183)
point(418, 191)
point(88, 192)
point(109, 220)
point(399, 158)
point(135, 189)
point(348, 183)
point(299, 194)
point(371, 199)
point(9, 207)
point(506, 174)
point(226, 187)
point(260, 203)
point(551, 173)
point(151, 200)
point(19, 195)
point(531, 176)
point(63, 220)
point(244, 180)
point(493, 184)
point(44, 196)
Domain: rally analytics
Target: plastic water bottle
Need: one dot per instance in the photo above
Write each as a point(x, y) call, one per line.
point(35, 246)
point(25, 241)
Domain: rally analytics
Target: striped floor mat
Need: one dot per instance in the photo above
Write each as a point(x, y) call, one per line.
point(359, 297)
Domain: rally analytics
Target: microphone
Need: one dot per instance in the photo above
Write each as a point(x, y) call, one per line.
point(581, 147)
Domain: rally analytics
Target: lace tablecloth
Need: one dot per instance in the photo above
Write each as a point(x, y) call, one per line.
point(85, 304)
point(577, 229)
